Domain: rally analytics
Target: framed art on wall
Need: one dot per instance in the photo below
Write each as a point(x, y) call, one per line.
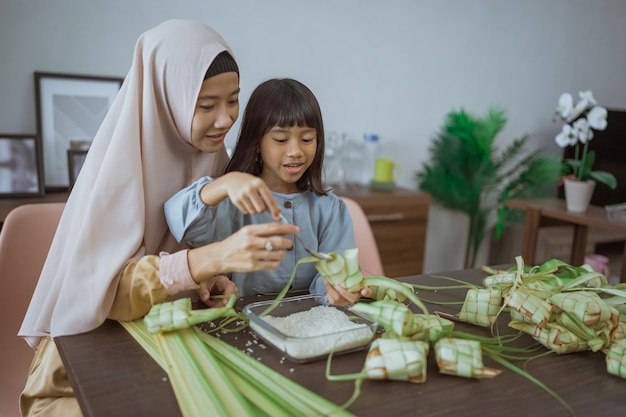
point(70, 109)
point(21, 173)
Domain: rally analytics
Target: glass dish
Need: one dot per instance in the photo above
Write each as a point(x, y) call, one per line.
point(309, 348)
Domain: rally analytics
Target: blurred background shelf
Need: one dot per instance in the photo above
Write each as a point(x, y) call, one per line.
point(399, 220)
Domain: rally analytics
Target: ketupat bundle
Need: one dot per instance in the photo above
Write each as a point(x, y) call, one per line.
point(462, 358)
point(531, 308)
point(481, 306)
point(395, 317)
point(402, 351)
point(565, 308)
point(345, 271)
point(400, 323)
point(616, 358)
point(178, 314)
point(396, 359)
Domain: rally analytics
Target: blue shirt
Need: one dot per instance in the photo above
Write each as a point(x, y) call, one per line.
point(324, 221)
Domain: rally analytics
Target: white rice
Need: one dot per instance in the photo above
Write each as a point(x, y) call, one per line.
point(315, 332)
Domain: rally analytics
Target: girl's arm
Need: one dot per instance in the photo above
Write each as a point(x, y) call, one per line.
point(192, 213)
point(247, 192)
point(187, 216)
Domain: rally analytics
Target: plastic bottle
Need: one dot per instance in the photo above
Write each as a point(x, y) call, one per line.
point(370, 154)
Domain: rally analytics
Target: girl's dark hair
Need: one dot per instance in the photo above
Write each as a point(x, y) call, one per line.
point(281, 102)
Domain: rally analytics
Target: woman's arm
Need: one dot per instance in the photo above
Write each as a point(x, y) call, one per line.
point(151, 279)
point(244, 251)
point(139, 288)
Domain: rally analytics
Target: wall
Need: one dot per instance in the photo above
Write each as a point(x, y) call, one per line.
point(393, 67)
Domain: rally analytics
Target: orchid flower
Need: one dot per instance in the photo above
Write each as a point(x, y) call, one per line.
point(566, 137)
point(581, 119)
point(582, 131)
point(587, 97)
point(566, 105)
point(597, 118)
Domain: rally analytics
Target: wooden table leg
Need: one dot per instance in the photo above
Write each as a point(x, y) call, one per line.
point(579, 245)
point(531, 233)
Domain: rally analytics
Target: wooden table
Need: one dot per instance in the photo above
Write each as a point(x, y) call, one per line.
point(552, 212)
point(113, 376)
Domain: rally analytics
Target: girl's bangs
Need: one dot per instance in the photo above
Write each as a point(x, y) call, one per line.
point(292, 113)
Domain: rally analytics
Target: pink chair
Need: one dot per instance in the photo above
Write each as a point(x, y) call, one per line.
point(25, 238)
point(369, 258)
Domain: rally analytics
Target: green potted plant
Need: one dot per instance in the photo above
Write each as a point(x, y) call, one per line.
point(580, 119)
point(465, 172)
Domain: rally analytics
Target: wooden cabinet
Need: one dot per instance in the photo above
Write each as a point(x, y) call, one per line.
point(399, 220)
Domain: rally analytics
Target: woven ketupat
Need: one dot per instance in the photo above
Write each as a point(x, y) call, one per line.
point(481, 306)
point(616, 358)
point(462, 357)
point(533, 308)
point(587, 306)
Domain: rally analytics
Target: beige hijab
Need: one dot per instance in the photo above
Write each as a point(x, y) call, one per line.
point(140, 157)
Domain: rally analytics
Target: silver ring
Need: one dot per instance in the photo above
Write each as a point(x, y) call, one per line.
point(268, 246)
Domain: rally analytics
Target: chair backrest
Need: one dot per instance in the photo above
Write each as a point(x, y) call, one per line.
point(25, 238)
point(369, 257)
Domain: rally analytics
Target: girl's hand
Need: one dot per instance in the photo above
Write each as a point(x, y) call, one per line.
point(340, 296)
point(254, 247)
point(250, 194)
point(217, 285)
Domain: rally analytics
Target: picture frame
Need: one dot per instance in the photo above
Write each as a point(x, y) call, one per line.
point(70, 108)
point(21, 166)
point(75, 161)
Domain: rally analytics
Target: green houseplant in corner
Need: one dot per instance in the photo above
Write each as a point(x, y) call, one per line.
point(465, 172)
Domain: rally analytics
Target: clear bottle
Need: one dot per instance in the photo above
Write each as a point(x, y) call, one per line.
point(370, 154)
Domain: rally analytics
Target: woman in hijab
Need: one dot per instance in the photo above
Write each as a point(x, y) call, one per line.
point(112, 255)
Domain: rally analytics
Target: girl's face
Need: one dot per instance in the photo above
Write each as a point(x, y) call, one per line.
point(217, 109)
point(287, 153)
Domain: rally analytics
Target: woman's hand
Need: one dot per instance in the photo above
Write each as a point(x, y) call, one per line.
point(217, 285)
point(249, 193)
point(254, 247)
point(340, 296)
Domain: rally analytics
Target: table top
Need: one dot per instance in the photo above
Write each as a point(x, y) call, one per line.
point(114, 376)
point(555, 208)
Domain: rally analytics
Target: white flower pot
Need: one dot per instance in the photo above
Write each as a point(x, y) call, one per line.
point(578, 194)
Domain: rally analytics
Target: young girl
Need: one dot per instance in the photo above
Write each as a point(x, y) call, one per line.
point(281, 145)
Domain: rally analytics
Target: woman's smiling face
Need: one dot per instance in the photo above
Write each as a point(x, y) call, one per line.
point(217, 109)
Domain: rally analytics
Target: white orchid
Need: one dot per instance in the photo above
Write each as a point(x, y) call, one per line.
point(597, 118)
point(566, 137)
point(581, 119)
point(582, 131)
point(566, 105)
point(587, 97)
